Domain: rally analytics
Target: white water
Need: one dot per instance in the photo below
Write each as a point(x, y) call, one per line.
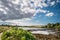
point(44, 31)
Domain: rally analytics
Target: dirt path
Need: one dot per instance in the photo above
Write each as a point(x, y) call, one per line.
point(0, 35)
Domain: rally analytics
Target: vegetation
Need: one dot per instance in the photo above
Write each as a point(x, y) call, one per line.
point(17, 34)
point(11, 32)
point(2, 29)
point(49, 25)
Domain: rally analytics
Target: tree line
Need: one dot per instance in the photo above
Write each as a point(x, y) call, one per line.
point(52, 25)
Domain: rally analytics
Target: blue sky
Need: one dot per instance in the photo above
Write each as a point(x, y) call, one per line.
point(51, 19)
point(29, 12)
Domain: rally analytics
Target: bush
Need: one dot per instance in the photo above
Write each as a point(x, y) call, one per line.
point(17, 34)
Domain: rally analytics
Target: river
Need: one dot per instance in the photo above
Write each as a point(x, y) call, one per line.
point(45, 31)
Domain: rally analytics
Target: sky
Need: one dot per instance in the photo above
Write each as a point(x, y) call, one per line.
point(29, 12)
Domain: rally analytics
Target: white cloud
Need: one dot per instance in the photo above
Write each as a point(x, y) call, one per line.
point(14, 1)
point(21, 22)
point(52, 3)
point(44, 4)
point(3, 11)
point(28, 19)
point(19, 9)
point(58, 0)
point(28, 10)
point(49, 14)
point(43, 11)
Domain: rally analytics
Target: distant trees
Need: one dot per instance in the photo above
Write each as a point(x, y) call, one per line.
point(49, 25)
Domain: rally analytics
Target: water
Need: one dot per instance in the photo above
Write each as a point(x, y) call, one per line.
point(45, 31)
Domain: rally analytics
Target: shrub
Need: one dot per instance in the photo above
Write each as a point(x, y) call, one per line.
point(17, 34)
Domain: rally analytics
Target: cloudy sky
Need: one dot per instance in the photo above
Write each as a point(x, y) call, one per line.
point(29, 12)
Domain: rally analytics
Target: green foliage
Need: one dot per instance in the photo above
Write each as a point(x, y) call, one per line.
point(49, 25)
point(17, 34)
